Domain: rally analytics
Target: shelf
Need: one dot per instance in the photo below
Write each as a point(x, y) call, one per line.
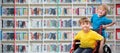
point(98, 3)
point(12, 29)
point(7, 41)
point(53, 16)
point(61, 16)
point(118, 41)
point(79, 4)
point(45, 16)
point(110, 16)
point(65, 28)
point(65, 41)
point(118, 16)
point(51, 28)
point(17, 41)
point(118, 27)
point(36, 5)
point(36, 41)
point(4, 17)
point(109, 40)
point(12, 4)
point(36, 16)
point(70, 16)
point(36, 29)
point(50, 4)
point(118, 3)
point(48, 28)
point(7, 16)
point(113, 27)
point(50, 41)
point(55, 4)
point(77, 28)
point(50, 16)
point(22, 41)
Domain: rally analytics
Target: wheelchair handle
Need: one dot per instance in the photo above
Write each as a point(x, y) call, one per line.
point(100, 31)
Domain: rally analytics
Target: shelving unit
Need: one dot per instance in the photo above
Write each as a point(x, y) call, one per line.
point(45, 26)
point(117, 24)
point(0, 27)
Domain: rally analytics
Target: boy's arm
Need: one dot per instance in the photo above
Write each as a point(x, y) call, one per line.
point(108, 25)
point(74, 41)
point(101, 46)
point(73, 44)
point(72, 47)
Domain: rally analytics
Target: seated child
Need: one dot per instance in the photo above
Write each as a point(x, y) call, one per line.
point(87, 38)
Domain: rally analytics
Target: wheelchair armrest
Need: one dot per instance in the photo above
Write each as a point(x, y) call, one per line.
point(77, 40)
point(97, 45)
point(75, 46)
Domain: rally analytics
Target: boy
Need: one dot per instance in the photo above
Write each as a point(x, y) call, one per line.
point(87, 38)
point(100, 19)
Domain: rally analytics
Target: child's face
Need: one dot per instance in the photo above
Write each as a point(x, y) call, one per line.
point(101, 12)
point(85, 26)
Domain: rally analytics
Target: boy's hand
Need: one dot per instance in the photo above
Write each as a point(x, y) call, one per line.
point(101, 50)
point(104, 26)
point(71, 50)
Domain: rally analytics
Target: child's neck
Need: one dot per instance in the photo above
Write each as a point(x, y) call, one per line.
point(86, 31)
point(99, 16)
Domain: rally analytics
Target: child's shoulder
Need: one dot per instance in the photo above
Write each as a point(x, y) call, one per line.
point(80, 31)
point(95, 15)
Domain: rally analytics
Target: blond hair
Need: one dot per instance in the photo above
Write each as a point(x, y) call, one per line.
point(84, 20)
point(105, 7)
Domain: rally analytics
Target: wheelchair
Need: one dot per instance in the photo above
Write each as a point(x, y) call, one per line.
point(106, 48)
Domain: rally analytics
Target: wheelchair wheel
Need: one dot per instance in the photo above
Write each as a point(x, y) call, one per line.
point(106, 49)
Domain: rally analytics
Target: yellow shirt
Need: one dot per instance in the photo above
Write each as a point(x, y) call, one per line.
point(88, 40)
